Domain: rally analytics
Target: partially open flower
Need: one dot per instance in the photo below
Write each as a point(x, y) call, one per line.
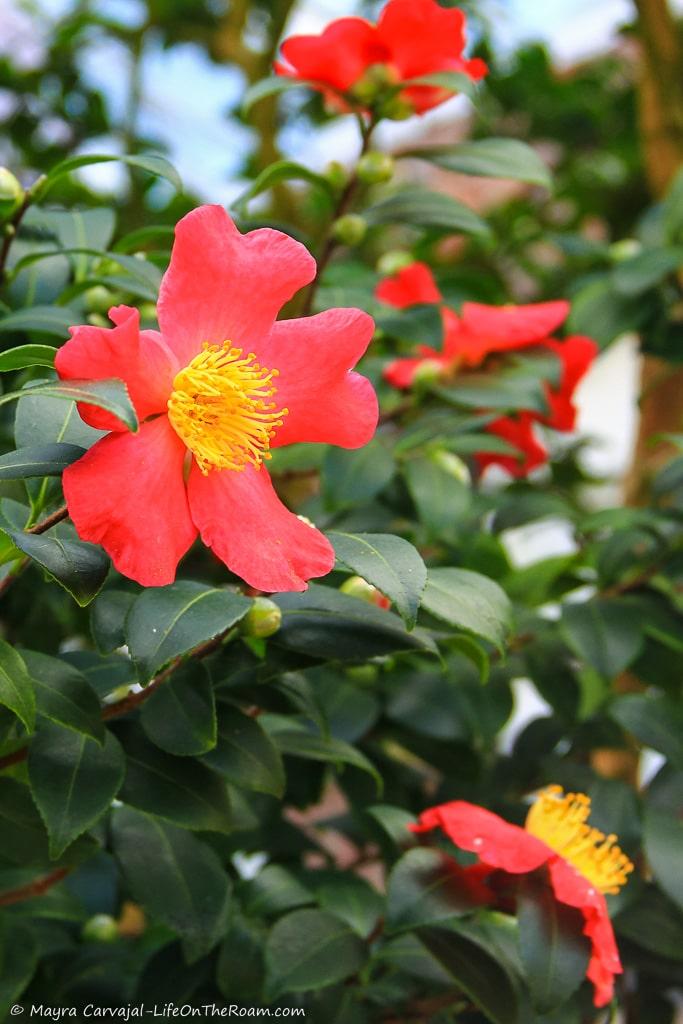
point(582, 863)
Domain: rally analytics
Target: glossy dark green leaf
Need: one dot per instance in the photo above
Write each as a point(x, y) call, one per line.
point(605, 632)
point(663, 841)
point(64, 695)
point(468, 601)
point(16, 687)
point(655, 720)
point(111, 395)
point(54, 320)
point(421, 324)
point(23, 837)
point(274, 890)
point(180, 717)
point(38, 460)
point(552, 946)
point(18, 961)
point(73, 780)
point(79, 567)
point(490, 158)
point(442, 501)
point(301, 743)
point(352, 900)
point(646, 269)
point(390, 563)
point(423, 889)
point(108, 619)
point(177, 789)
point(282, 170)
point(26, 355)
point(422, 209)
point(166, 622)
point(308, 950)
point(178, 879)
point(150, 162)
point(245, 754)
point(353, 477)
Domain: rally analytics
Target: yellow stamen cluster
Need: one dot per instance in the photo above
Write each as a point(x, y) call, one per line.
point(221, 408)
point(560, 822)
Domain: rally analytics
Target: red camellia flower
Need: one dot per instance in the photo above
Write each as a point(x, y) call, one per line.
point(412, 38)
point(214, 390)
point(480, 331)
point(582, 863)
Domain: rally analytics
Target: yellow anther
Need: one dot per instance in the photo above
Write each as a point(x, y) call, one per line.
point(221, 408)
point(560, 822)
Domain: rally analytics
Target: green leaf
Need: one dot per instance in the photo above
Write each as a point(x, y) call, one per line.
point(16, 686)
point(38, 460)
point(421, 324)
point(470, 602)
point(477, 973)
point(646, 270)
point(178, 789)
point(272, 86)
point(178, 879)
point(441, 500)
point(23, 837)
point(55, 320)
point(552, 946)
point(607, 633)
point(274, 890)
point(111, 395)
point(352, 900)
point(663, 843)
point(301, 743)
point(325, 623)
point(454, 81)
point(166, 622)
point(390, 563)
point(64, 695)
point(308, 950)
point(423, 889)
point(422, 209)
point(489, 158)
point(354, 477)
point(282, 170)
point(79, 567)
point(108, 619)
point(245, 754)
point(18, 961)
point(180, 717)
point(150, 162)
point(73, 780)
point(655, 720)
point(26, 355)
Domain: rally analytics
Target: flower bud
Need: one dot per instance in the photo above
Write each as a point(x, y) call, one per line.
point(356, 586)
point(100, 928)
point(453, 465)
point(97, 320)
point(393, 261)
point(350, 229)
point(397, 109)
point(11, 194)
point(377, 80)
point(428, 372)
point(374, 168)
point(148, 311)
point(263, 618)
point(336, 174)
point(99, 299)
point(625, 249)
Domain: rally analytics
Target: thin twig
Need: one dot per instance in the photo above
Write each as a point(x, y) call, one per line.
point(46, 524)
point(33, 889)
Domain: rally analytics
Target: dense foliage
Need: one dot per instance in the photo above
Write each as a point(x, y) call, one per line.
point(206, 791)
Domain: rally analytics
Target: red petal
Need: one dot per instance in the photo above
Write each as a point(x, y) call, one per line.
point(225, 286)
point(496, 842)
point(314, 355)
point(410, 286)
point(401, 373)
point(487, 329)
point(421, 35)
point(241, 518)
point(575, 890)
point(519, 431)
point(127, 494)
point(577, 354)
point(140, 359)
point(337, 57)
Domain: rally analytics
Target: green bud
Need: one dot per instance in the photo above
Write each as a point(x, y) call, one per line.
point(100, 928)
point(393, 261)
point(356, 586)
point(350, 229)
point(453, 465)
point(397, 109)
point(99, 299)
point(376, 80)
point(624, 249)
point(148, 311)
point(374, 168)
point(11, 194)
point(263, 618)
point(428, 372)
point(97, 320)
point(336, 174)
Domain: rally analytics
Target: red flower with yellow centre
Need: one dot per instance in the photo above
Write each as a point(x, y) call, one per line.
point(480, 331)
point(219, 386)
point(582, 863)
point(412, 38)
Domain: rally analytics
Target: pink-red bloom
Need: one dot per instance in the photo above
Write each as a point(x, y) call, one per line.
point(215, 389)
point(582, 864)
point(412, 38)
point(480, 331)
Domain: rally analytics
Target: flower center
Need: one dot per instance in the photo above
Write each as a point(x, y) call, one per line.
point(220, 408)
point(560, 822)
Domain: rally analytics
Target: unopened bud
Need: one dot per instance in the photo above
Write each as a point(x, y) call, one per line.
point(263, 618)
point(11, 194)
point(148, 311)
point(336, 174)
point(377, 80)
point(350, 229)
point(394, 261)
point(625, 249)
point(374, 168)
point(428, 372)
point(100, 928)
point(453, 465)
point(99, 299)
point(356, 586)
point(397, 109)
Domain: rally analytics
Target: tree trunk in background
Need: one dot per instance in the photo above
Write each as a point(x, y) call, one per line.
point(660, 94)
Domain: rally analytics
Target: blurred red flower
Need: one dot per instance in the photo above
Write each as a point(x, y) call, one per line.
point(412, 38)
point(582, 864)
point(219, 386)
